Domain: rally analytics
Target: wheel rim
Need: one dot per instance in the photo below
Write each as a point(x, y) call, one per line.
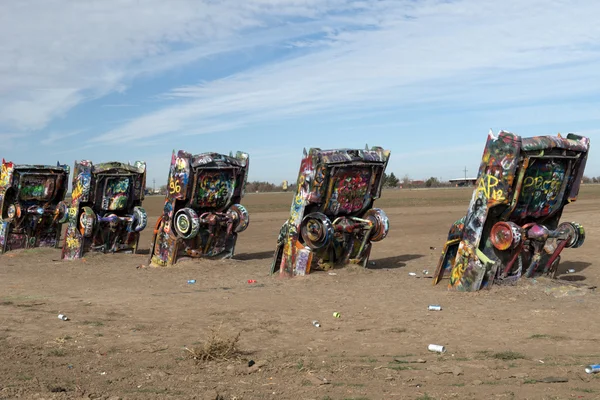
point(316, 230)
point(183, 223)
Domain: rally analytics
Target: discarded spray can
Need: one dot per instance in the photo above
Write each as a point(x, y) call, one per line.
point(316, 323)
point(592, 369)
point(63, 317)
point(434, 307)
point(191, 281)
point(436, 348)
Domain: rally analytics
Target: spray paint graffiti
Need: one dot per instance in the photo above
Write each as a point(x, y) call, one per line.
point(202, 215)
point(332, 220)
point(512, 225)
point(106, 211)
point(31, 205)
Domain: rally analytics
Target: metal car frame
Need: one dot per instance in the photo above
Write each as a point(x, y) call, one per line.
point(332, 220)
point(512, 227)
point(202, 216)
point(31, 205)
point(105, 213)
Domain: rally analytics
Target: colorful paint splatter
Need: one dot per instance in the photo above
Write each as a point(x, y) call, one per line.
point(31, 205)
point(202, 215)
point(105, 213)
point(512, 225)
point(332, 219)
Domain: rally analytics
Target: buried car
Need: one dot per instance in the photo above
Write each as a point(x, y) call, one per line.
point(106, 211)
point(31, 205)
point(512, 227)
point(202, 215)
point(332, 220)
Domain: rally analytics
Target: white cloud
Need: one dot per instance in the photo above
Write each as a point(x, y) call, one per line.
point(56, 53)
point(471, 52)
point(346, 55)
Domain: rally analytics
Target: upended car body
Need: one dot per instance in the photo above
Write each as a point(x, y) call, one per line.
point(512, 227)
point(105, 213)
point(31, 205)
point(202, 215)
point(332, 220)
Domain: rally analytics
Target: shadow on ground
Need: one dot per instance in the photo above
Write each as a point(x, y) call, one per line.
point(263, 255)
point(393, 262)
point(578, 266)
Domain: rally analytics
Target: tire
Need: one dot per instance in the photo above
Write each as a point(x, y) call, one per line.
point(139, 220)
point(241, 217)
point(381, 224)
point(186, 223)
point(316, 230)
point(62, 212)
point(576, 233)
point(87, 219)
point(13, 211)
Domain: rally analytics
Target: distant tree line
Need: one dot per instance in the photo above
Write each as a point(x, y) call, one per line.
point(389, 181)
point(594, 179)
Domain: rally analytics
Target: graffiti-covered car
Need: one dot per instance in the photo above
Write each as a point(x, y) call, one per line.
point(332, 220)
point(512, 227)
point(105, 213)
point(202, 215)
point(31, 202)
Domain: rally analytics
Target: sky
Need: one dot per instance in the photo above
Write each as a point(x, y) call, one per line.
point(127, 80)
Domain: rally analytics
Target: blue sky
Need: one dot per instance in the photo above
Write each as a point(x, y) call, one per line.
point(133, 80)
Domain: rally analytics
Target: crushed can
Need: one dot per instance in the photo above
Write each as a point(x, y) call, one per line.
point(592, 369)
point(437, 348)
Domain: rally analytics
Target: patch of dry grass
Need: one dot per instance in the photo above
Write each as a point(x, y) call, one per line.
point(216, 348)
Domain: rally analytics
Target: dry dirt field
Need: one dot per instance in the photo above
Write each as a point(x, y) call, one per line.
point(129, 327)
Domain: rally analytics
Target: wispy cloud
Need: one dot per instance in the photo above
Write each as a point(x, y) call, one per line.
point(398, 54)
point(57, 137)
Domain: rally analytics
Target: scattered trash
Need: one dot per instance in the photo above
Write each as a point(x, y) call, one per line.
point(592, 369)
point(372, 262)
point(432, 248)
point(570, 271)
point(434, 307)
point(63, 317)
point(336, 315)
point(70, 366)
point(251, 363)
point(251, 281)
point(332, 273)
point(412, 273)
point(436, 348)
point(103, 373)
point(425, 272)
point(541, 362)
point(191, 281)
point(140, 266)
point(316, 323)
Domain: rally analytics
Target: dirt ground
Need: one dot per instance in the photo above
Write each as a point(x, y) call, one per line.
point(129, 327)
